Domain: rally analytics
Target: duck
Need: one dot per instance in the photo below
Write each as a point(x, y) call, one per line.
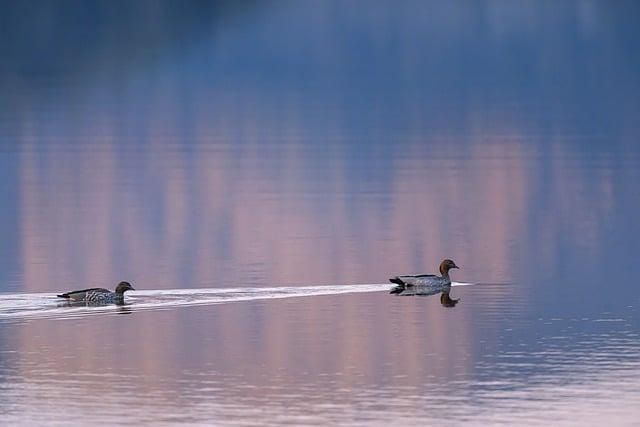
point(99, 295)
point(430, 281)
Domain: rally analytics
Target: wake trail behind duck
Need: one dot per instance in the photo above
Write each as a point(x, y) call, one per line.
point(25, 306)
point(17, 306)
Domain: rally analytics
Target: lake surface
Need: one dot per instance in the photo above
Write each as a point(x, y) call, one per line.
point(259, 171)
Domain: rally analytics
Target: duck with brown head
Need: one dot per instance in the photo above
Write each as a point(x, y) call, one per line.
point(99, 295)
point(425, 280)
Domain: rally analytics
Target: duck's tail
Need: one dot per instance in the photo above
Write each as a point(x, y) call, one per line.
point(401, 285)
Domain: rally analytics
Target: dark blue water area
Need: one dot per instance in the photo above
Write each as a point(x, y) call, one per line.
point(248, 165)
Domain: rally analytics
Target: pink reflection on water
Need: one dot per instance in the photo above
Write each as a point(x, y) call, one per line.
point(225, 214)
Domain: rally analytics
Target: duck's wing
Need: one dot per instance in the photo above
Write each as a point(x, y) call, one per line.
point(416, 280)
point(405, 282)
point(81, 295)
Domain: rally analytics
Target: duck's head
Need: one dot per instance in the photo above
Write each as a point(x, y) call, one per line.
point(123, 287)
point(447, 265)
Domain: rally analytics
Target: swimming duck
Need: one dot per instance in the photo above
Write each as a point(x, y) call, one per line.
point(99, 295)
point(425, 280)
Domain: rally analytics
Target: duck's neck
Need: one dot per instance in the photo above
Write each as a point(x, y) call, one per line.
point(444, 271)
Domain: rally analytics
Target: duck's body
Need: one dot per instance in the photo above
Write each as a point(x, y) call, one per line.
point(430, 280)
point(425, 283)
point(99, 295)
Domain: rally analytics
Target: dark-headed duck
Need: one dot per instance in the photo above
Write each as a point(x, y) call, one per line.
point(99, 295)
point(425, 280)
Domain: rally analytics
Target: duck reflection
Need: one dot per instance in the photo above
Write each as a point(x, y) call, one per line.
point(446, 300)
point(122, 307)
point(425, 291)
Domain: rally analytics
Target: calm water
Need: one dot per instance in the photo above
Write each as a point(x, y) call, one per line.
point(259, 170)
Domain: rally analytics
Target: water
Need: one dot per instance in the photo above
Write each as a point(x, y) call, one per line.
point(259, 171)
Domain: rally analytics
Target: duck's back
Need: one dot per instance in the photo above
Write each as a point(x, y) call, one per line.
point(424, 280)
point(91, 294)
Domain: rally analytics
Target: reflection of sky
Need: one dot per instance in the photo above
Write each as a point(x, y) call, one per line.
point(324, 143)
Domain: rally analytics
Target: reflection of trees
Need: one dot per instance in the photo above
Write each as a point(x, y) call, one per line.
point(61, 29)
